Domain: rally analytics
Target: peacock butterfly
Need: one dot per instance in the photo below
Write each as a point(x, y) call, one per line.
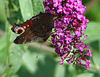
point(36, 29)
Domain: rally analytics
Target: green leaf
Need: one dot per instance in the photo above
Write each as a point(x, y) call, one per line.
point(93, 13)
point(2, 14)
point(13, 52)
point(3, 43)
point(59, 70)
point(26, 9)
point(86, 75)
point(2, 54)
point(38, 6)
point(30, 61)
point(72, 71)
point(96, 59)
point(16, 52)
point(93, 32)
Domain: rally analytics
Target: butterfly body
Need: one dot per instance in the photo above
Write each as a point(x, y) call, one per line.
point(38, 28)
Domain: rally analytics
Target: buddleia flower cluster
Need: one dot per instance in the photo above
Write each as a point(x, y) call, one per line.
point(69, 25)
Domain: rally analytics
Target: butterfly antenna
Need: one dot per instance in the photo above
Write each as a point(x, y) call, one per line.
point(39, 49)
point(37, 54)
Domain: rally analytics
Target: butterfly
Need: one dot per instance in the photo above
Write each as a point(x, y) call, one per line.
point(38, 28)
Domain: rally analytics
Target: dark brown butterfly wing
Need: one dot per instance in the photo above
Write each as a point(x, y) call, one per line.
point(27, 37)
point(39, 31)
point(44, 26)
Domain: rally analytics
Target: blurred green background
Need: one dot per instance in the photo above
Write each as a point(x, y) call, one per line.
point(39, 59)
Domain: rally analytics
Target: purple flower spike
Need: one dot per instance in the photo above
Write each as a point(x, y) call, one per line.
point(68, 29)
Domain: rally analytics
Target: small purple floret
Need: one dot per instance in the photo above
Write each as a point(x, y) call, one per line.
point(68, 29)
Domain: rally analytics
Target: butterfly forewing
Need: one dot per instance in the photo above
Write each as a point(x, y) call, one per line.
point(44, 26)
point(38, 31)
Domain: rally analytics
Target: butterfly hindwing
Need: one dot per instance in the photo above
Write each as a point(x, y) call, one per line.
point(27, 37)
